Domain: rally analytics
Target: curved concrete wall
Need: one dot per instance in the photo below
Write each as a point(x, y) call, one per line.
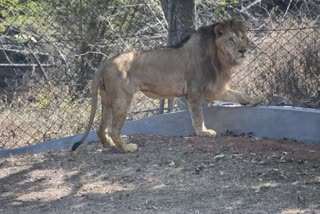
point(295, 123)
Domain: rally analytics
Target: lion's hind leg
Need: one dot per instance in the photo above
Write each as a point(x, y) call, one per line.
point(105, 125)
point(120, 106)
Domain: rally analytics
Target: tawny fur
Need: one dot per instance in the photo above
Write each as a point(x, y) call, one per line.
point(199, 69)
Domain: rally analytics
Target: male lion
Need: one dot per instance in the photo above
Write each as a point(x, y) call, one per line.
point(199, 68)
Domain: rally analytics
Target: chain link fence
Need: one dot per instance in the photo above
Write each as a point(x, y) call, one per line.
point(50, 49)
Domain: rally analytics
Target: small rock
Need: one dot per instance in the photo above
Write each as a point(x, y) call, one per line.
point(301, 200)
point(200, 167)
point(171, 163)
point(256, 139)
point(217, 157)
point(261, 162)
point(278, 100)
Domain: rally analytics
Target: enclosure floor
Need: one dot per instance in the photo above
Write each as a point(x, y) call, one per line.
point(226, 174)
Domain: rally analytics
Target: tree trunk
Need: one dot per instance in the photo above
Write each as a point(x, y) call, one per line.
point(180, 15)
point(91, 32)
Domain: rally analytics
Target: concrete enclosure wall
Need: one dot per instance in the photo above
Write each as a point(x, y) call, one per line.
point(295, 123)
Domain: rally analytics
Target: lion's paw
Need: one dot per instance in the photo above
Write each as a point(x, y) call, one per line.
point(131, 147)
point(207, 132)
point(108, 142)
point(258, 100)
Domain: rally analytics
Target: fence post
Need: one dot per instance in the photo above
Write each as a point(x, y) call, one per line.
point(170, 40)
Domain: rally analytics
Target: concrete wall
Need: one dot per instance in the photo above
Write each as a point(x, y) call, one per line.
point(295, 123)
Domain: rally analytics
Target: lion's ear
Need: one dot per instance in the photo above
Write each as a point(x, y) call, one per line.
point(219, 29)
point(243, 27)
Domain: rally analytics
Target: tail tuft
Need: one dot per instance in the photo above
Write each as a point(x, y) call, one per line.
point(75, 146)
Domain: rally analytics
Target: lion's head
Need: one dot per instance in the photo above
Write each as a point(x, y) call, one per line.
point(231, 41)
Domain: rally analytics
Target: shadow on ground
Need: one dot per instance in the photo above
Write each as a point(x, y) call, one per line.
point(167, 175)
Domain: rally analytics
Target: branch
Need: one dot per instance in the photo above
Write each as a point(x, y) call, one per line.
point(155, 16)
point(6, 56)
point(164, 4)
point(63, 59)
point(250, 5)
point(23, 51)
point(287, 9)
point(115, 32)
point(24, 65)
point(39, 64)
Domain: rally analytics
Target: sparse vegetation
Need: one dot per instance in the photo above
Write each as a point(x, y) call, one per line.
point(284, 63)
point(41, 104)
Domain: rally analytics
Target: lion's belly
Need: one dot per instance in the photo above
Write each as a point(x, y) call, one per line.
point(164, 90)
point(156, 96)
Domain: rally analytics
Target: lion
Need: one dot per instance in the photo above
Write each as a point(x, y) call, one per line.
point(199, 68)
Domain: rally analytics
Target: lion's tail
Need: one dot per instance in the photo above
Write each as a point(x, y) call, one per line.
point(94, 100)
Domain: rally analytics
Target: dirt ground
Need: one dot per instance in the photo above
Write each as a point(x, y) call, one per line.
point(226, 174)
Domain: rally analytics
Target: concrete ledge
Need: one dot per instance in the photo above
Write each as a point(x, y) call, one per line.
point(295, 123)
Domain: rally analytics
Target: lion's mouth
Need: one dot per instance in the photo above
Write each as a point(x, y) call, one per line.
point(239, 59)
point(242, 56)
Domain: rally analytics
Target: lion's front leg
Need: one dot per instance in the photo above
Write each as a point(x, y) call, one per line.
point(196, 109)
point(230, 95)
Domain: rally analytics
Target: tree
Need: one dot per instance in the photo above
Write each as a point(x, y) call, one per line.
point(180, 15)
point(22, 14)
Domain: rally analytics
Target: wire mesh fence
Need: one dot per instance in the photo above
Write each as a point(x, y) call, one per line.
point(50, 49)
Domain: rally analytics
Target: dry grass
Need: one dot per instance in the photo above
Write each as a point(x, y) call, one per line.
point(53, 113)
point(286, 63)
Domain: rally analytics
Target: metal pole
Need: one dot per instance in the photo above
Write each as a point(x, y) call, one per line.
point(171, 38)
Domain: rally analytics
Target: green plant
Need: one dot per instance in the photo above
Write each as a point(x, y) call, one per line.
point(23, 14)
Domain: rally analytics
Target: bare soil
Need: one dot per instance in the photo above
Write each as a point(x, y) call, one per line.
point(226, 174)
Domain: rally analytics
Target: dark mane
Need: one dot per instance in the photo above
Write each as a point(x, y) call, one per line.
point(203, 31)
point(232, 24)
point(182, 42)
point(208, 32)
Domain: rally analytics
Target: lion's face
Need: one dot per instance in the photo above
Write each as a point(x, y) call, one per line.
point(232, 44)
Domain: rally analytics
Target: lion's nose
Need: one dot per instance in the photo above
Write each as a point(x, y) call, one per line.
point(242, 50)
